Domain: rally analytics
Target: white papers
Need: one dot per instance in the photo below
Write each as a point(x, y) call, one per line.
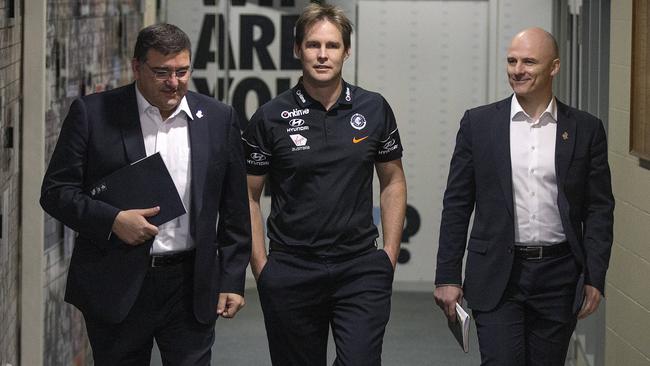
point(460, 328)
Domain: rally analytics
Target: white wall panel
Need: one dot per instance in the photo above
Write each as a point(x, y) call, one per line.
point(433, 60)
point(428, 58)
point(507, 19)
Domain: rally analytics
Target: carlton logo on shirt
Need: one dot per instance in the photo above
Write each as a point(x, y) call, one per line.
point(358, 121)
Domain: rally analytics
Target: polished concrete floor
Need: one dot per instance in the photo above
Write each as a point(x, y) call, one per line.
point(417, 335)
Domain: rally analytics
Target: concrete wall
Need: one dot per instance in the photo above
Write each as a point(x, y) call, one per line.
point(627, 290)
point(10, 110)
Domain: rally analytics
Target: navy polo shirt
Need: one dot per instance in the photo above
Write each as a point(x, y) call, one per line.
point(320, 166)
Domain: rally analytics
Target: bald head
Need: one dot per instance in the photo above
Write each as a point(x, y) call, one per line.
point(539, 37)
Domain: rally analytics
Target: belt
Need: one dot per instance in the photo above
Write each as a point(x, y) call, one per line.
point(165, 260)
point(308, 254)
point(538, 252)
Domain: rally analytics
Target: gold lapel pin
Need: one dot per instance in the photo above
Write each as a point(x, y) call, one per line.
point(565, 136)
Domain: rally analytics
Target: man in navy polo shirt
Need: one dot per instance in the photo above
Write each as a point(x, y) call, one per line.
point(318, 143)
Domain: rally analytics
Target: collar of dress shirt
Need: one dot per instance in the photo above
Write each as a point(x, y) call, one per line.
point(517, 113)
point(144, 105)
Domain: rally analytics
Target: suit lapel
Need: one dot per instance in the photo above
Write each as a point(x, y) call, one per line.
point(129, 118)
point(501, 143)
point(564, 142)
point(199, 149)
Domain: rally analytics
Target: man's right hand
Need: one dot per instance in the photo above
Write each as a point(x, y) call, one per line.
point(132, 227)
point(446, 297)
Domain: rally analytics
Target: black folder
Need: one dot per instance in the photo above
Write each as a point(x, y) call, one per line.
point(143, 184)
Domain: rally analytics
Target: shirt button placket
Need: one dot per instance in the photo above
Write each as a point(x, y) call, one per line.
point(326, 128)
point(161, 142)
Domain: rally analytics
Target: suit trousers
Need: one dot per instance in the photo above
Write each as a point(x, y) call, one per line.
point(164, 311)
point(302, 297)
point(533, 322)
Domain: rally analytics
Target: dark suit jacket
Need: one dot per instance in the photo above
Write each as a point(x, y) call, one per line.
point(101, 134)
point(480, 181)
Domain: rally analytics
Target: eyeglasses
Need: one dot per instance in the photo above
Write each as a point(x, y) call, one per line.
point(162, 74)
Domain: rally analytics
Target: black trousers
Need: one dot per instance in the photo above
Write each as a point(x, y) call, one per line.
point(164, 311)
point(302, 297)
point(533, 323)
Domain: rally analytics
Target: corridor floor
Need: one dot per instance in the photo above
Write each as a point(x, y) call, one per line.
point(417, 335)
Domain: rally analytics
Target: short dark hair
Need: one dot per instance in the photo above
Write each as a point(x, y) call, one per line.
point(316, 12)
point(164, 38)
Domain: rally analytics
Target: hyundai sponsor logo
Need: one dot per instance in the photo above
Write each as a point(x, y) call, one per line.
point(258, 157)
point(389, 146)
point(296, 122)
point(297, 125)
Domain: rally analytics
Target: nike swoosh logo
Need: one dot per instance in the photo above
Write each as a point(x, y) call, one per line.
point(356, 140)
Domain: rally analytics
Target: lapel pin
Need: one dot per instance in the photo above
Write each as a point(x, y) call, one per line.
point(200, 114)
point(565, 136)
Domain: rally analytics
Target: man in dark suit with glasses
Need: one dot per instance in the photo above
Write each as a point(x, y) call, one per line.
point(135, 282)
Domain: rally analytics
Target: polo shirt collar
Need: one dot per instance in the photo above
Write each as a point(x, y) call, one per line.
point(346, 94)
point(304, 99)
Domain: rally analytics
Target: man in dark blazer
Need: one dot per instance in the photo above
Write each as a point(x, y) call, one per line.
point(534, 172)
point(135, 282)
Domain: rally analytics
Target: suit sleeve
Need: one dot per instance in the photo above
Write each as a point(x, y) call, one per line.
point(234, 230)
point(62, 193)
point(598, 219)
point(458, 204)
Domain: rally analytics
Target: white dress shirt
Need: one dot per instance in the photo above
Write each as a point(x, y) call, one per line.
point(534, 183)
point(171, 139)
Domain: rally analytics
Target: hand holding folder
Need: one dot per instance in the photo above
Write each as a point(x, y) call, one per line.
point(145, 183)
point(460, 328)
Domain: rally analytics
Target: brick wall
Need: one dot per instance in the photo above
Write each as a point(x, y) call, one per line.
point(627, 340)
